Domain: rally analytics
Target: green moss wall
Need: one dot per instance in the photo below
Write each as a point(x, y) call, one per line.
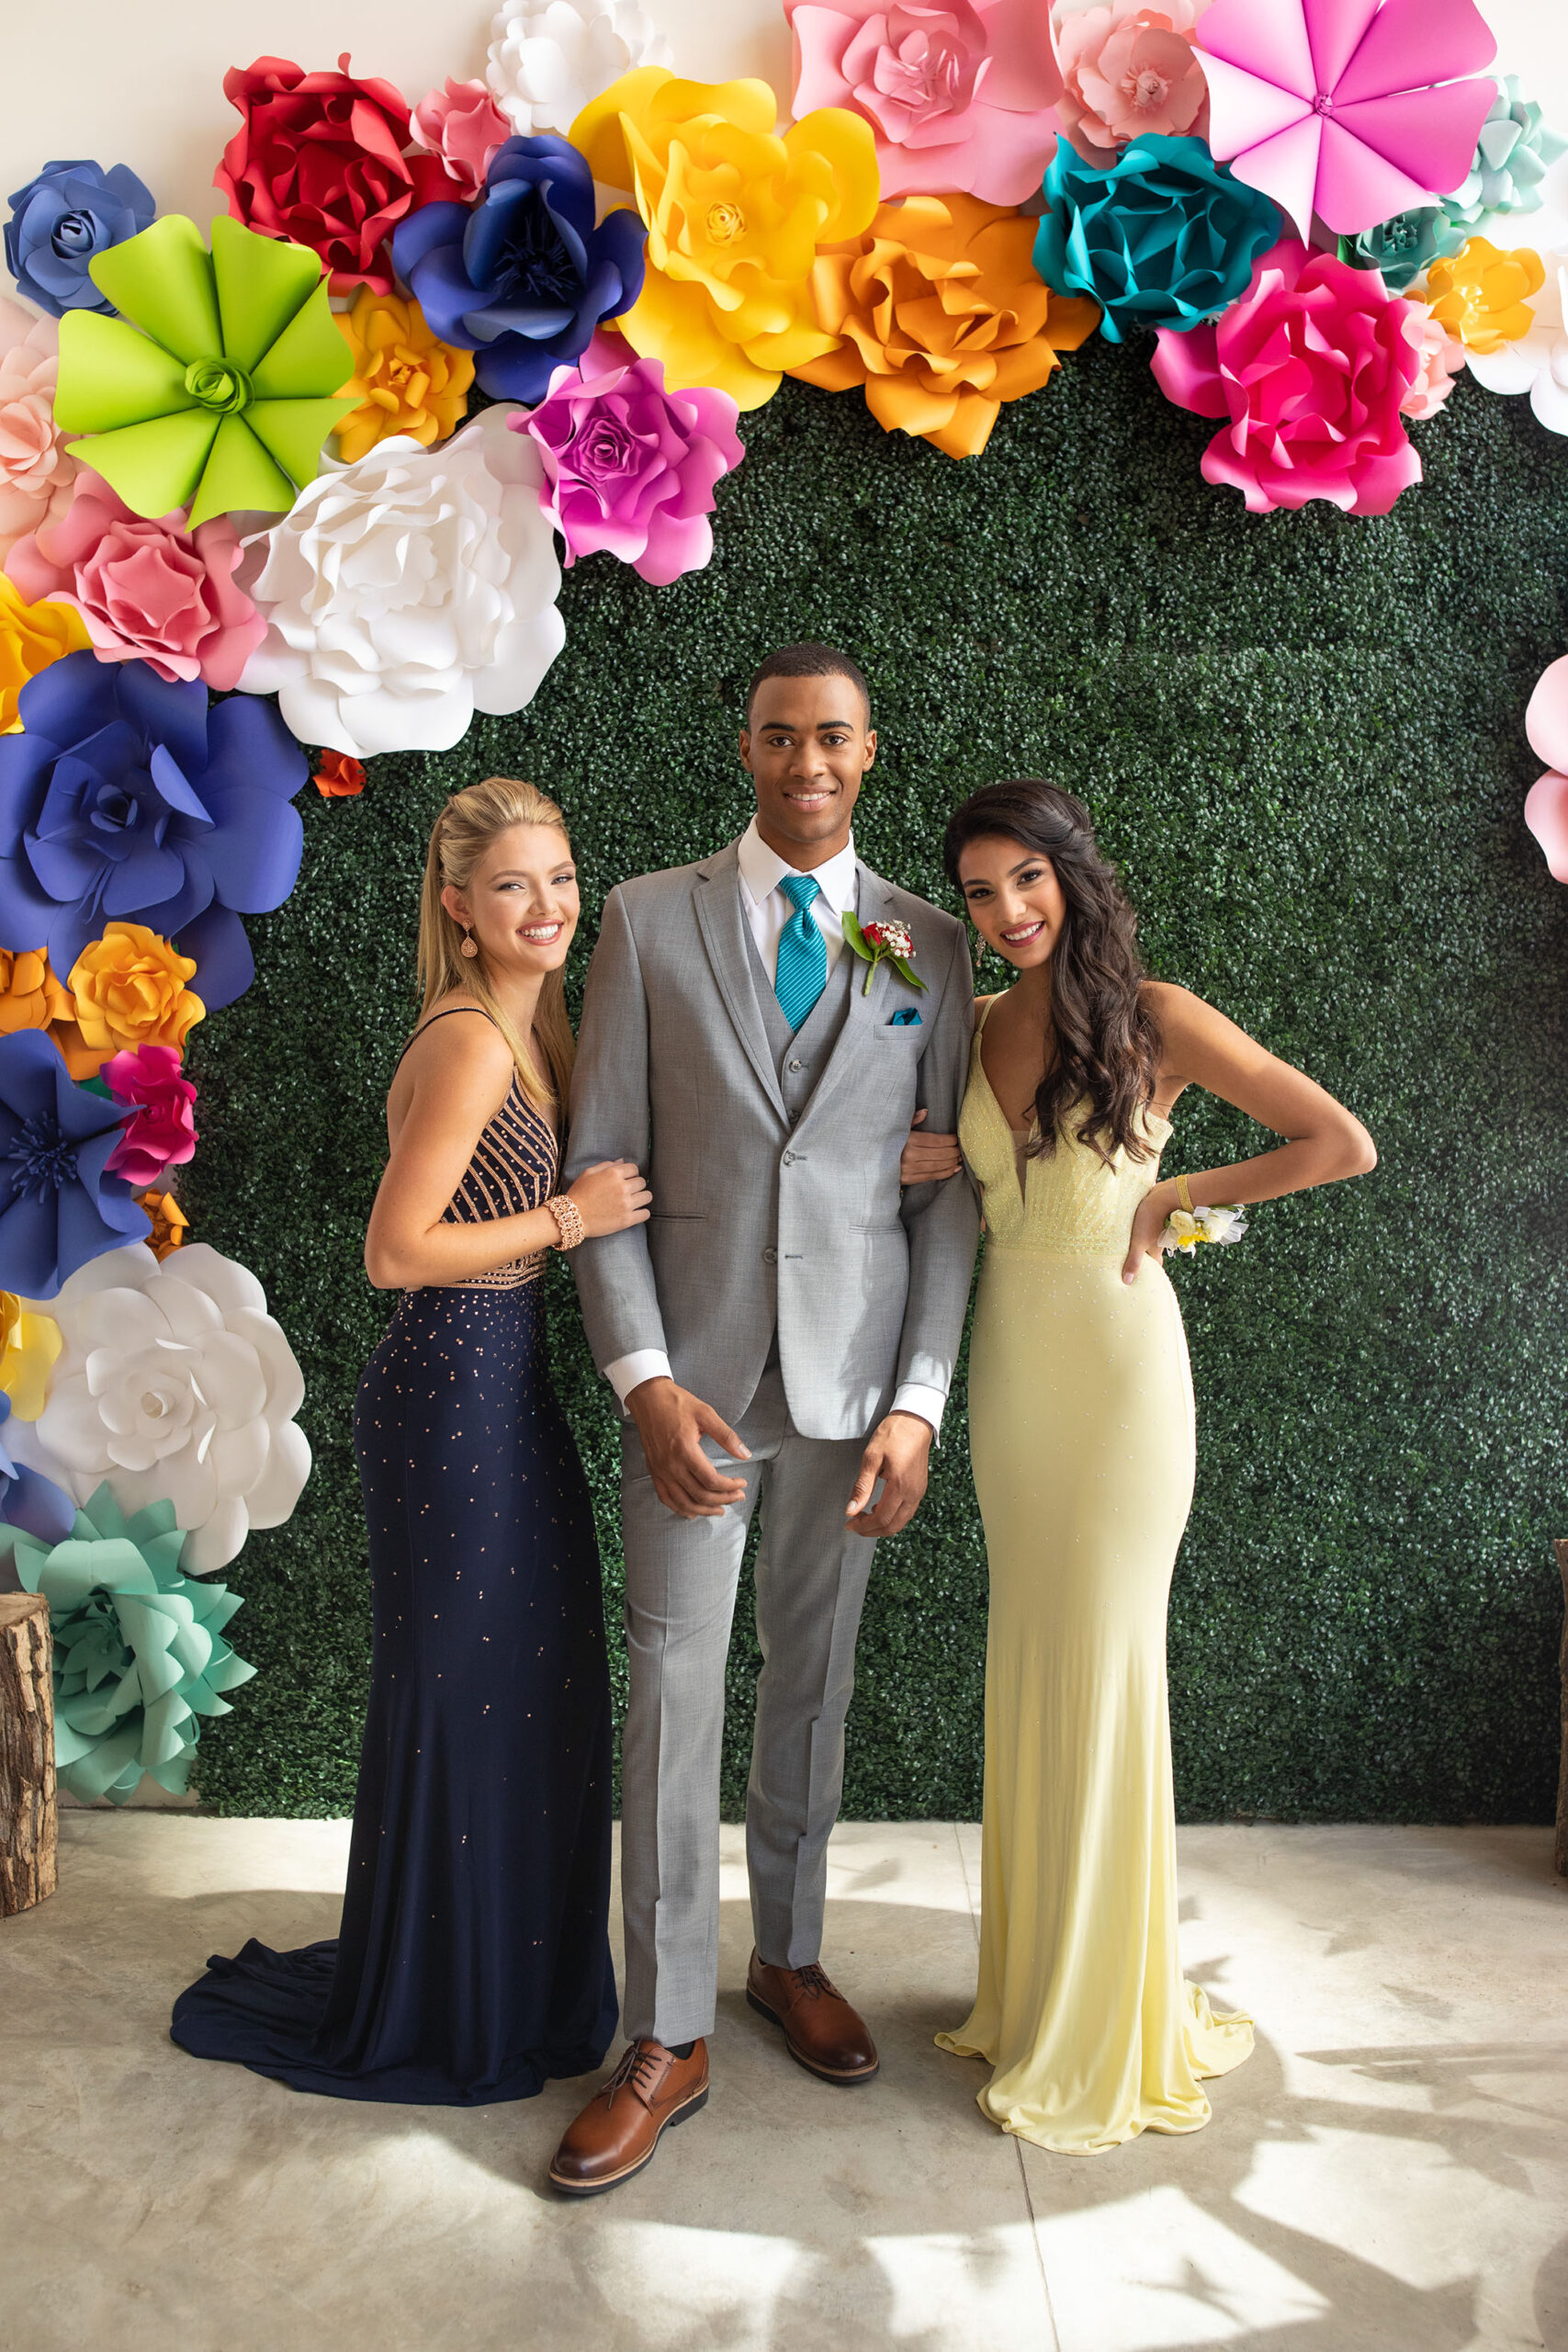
point(1302, 737)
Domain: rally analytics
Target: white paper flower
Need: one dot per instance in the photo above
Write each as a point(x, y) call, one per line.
point(1538, 363)
point(177, 1386)
point(407, 591)
point(547, 61)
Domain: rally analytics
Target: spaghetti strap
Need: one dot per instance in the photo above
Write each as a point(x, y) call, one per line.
point(435, 1017)
point(982, 1006)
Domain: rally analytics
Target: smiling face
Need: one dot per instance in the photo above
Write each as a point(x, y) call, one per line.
point(808, 744)
point(521, 903)
point(1013, 897)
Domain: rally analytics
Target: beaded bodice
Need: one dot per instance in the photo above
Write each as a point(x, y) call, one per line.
point(513, 1170)
point(1069, 1204)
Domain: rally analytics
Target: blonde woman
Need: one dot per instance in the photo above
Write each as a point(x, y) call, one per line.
point(472, 1964)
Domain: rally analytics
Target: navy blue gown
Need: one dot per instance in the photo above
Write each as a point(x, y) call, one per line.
point(473, 1963)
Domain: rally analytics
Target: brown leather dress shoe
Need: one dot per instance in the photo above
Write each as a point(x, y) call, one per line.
point(621, 2126)
point(823, 2032)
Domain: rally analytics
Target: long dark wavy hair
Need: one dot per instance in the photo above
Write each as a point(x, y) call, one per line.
point(1107, 1039)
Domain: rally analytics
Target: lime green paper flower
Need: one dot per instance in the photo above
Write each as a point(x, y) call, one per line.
point(223, 399)
point(138, 1652)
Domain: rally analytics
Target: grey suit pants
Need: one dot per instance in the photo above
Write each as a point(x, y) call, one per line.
point(681, 1583)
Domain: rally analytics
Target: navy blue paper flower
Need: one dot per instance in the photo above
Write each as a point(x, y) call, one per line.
point(57, 1208)
point(126, 798)
point(525, 277)
point(29, 1499)
point(1163, 237)
point(62, 219)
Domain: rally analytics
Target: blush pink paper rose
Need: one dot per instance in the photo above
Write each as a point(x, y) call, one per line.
point(462, 125)
point(1441, 355)
point(630, 468)
point(163, 1133)
point(1309, 370)
point(153, 591)
point(1546, 803)
point(37, 469)
point(1129, 70)
point(961, 98)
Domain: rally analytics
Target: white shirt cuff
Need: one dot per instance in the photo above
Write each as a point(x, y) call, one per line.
point(929, 1403)
point(629, 1371)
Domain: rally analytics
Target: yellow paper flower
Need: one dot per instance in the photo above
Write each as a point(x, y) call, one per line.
point(170, 1224)
point(29, 1345)
point(31, 637)
point(405, 378)
point(735, 218)
point(943, 316)
point(1481, 294)
point(30, 996)
point(129, 991)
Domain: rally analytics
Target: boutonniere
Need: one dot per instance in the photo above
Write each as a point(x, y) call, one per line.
point(881, 943)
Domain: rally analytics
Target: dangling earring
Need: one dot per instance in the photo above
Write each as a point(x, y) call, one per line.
point(468, 948)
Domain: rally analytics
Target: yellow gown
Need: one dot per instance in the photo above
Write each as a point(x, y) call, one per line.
point(1081, 1427)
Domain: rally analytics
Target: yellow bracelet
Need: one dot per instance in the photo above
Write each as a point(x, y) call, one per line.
point(1184, 1195)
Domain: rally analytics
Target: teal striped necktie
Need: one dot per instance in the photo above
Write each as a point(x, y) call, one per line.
point(801, 974)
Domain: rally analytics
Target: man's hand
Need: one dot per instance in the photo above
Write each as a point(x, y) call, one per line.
point(899, 1453)
point(671, 1423)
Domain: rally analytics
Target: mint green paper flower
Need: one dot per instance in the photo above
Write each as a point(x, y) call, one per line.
point(1402, 249)
point(1512, 156)
point(217, 387)
point(138, 1649)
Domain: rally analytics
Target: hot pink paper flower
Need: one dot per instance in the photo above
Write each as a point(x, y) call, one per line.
point(1441, 354)
point(1335, 106)
point(1129, 70)
point(960, 97)
point(631, 468)
point(147, 590)
point(1309, 368)
point(163, 1133)
point(463, 126)
point(37, 469)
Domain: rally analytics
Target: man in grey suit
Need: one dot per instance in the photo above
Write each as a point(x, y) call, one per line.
point(786, 1307)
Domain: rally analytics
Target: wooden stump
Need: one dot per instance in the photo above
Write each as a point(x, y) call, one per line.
point(27, 1753)
point(1562, 1854)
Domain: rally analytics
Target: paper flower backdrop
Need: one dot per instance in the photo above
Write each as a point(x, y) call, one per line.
point(32, 638)
point(29, 1342)
point(1130, 71)
point(37, 469)
point(547, 60)
point(61, 220)
point(58, 1207)
point(405, 378)
point(1513, 151)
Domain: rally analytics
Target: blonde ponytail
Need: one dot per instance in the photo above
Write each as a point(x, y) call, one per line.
point(462, 833)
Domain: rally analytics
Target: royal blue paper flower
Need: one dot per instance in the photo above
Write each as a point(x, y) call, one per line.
point(1163, 237)
point(126, 796)
point(525, 277)
point(1402, 248)
point(62, 219)
point(29, 1499)
point(56, 1207)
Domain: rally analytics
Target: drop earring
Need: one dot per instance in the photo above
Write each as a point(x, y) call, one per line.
point(468, 948)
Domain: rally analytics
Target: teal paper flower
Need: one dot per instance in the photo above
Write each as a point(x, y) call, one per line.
point(138, 1649)
point(1403, 248)
point(1512, 156)
point(1162, 237)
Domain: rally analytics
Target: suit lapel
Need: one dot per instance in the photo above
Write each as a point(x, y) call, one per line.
point(867, 1010)
point(717, 903)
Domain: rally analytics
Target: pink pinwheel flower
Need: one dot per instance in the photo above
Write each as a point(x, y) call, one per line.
point(1349, 109)
point(1130, 71)
point(960, 96)
point(1441, 354)
point(1309, 368)
point(148, 591)
point(631, 468)
point(1546, 803)
point(464, 127)
point(163, 1133)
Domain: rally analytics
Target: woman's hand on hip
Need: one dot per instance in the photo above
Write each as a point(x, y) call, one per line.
point(610, 1197)
point(1148, 1224)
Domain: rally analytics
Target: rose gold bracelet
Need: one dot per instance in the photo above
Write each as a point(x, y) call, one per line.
point(1184, 1195)
point(569, 1220)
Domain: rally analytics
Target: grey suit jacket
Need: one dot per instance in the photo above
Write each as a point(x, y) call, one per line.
point(756, 1223)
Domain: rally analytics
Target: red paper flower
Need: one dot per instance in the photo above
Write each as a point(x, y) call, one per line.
point(163, 1133)
point(339, 775)
point(318, 158)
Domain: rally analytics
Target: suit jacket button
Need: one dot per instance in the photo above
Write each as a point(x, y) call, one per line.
point(788, 1158)
point(770, 1257)
point(798, 1065)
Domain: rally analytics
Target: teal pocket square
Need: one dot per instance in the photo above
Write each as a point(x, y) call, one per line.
point(905, 1018)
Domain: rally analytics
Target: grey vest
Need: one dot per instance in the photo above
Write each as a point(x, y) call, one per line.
point(800, 1055)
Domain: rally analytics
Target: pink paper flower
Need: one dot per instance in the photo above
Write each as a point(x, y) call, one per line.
point(1546, 803)
point(1546, 814)
point(147, 590)
point(960, 97)
point(1441, 354)
point(463, 126)
point(631, 468)
point(1310, 369)
point(163, 1133)
point(1130, 71)
point(1335, 106)
point(37, 469)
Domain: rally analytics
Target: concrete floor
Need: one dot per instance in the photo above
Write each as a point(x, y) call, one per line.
point(1389, 2171)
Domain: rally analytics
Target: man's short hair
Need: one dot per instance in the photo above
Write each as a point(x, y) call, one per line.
point(808, 662)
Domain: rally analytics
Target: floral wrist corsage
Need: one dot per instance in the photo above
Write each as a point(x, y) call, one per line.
point(1187, 1229)
point(879, 943)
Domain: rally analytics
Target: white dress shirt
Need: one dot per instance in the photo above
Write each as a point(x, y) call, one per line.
point(767, 910)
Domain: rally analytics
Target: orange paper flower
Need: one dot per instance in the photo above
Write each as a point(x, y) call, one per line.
point(31, 637)
point(1481, 294)
point(30, 996)
point(170, 1225)
point(129, 991)
point(404, 379)
point(339, 775)
point(943, 317)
